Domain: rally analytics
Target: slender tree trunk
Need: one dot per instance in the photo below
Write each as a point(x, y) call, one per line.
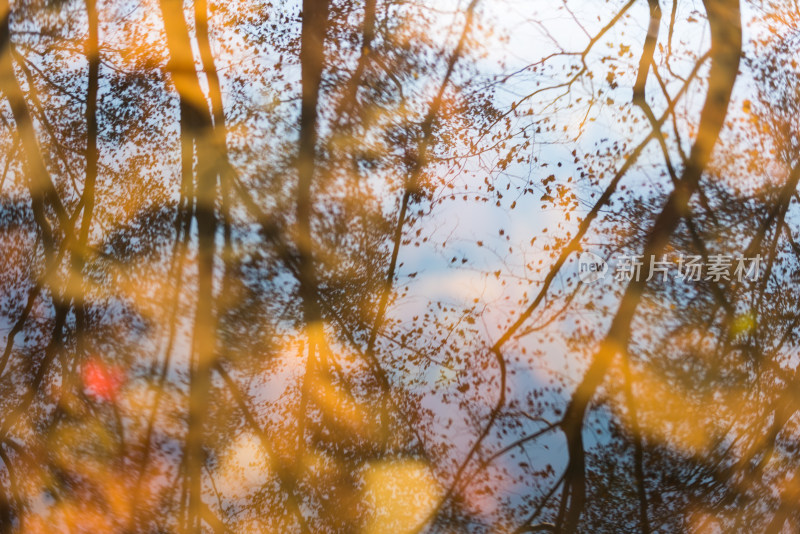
point(196, 131)
point(43, 195)
point(312, 56)
point(79, 254)
point(726, 45)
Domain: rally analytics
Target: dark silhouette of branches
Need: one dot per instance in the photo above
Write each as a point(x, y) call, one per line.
point(725, 24)
point(321, 267)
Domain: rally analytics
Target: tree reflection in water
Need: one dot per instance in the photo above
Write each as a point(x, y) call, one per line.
point(311, 267)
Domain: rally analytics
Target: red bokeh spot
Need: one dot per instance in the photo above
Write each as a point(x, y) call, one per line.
point(102, 381)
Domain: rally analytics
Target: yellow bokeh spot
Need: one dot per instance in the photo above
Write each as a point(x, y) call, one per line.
point(400, 494)
point(744, 323)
